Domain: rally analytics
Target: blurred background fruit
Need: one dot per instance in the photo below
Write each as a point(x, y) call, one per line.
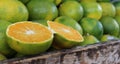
point(117, 7)
point(107, 37)
point(110, 26)
point(92, 10)
point(13, 11)
point(92, 26)
point(88, 1)
point(89, 39)
point(24, 1)
point(71, 9)
point(108, 9)
point(44, 10)
point(4, 47)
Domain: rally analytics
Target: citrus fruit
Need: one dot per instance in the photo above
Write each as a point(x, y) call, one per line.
point(69, 0)
point(103, 0)
point(43, 22)
point(87, 0)
point(69, 22)
point(4, 47)
point(2, 57)
point(107, 37)
point(110, 25)
point(57, 2)
point(89, 39)
point(71, 9)
point(108, 9)
point(39, 9)
point(117, 18)
point(48, 0)
point(64, 36)
point(92, 26)
point(13, 11)
point(117, 7)
point(29, 37)
point(92, 10)
point(24, 1)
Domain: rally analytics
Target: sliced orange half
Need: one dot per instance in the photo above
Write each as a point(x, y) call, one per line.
point(29, 37)
point(65, 36)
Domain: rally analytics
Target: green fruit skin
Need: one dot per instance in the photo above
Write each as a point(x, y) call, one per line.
point(24, 1)
point(89, 39)
point(70, 22)
point(42, 10)
point(108, 9)
point(2, 57)
point(117, 18)
point(92, 26)
point(57, 2)
point(29, 48)
point(4, 47)
point(69, 0)
point(87, 0)
point(107, 38)
point(103, 0)
point(71, 9)
point(92, 10)
point(43, 22)
point(110, 26)
point(16, 13)
point(63, 43)
point(117, 7)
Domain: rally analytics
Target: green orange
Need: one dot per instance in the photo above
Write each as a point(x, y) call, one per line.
point(43, 22)
point(92, 10)
point(57, 2)
point(71, 9)
point(117, 18)
point(92, 26)
point(108, 9)
point(117, 7)
point(24, 1)
point(110, 25)
point(13, 11)
point(4, 47)
point(89, 39)
point(29, 38)
point(64, 36)
point(88, 0)
point(39, 9)
point(103, 0)
point(107, 37)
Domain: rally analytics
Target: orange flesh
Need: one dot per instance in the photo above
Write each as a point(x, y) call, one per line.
point(65, 31)
point(29, 32)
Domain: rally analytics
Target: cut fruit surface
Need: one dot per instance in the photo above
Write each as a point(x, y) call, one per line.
point(67, 32)
point(29, 32)
point(29, 37)
point(65, 36)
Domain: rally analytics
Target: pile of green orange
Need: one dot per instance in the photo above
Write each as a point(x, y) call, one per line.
point(29, 27)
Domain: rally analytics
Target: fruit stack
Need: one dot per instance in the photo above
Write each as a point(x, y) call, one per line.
point(30, 27)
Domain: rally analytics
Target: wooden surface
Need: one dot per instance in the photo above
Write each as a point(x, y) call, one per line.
point(105, 53)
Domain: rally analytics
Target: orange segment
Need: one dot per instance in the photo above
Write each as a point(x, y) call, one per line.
point(65, 31)
point(29, 32)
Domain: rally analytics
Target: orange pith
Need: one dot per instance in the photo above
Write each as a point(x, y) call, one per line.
point(65, 31)
point(29, 32)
